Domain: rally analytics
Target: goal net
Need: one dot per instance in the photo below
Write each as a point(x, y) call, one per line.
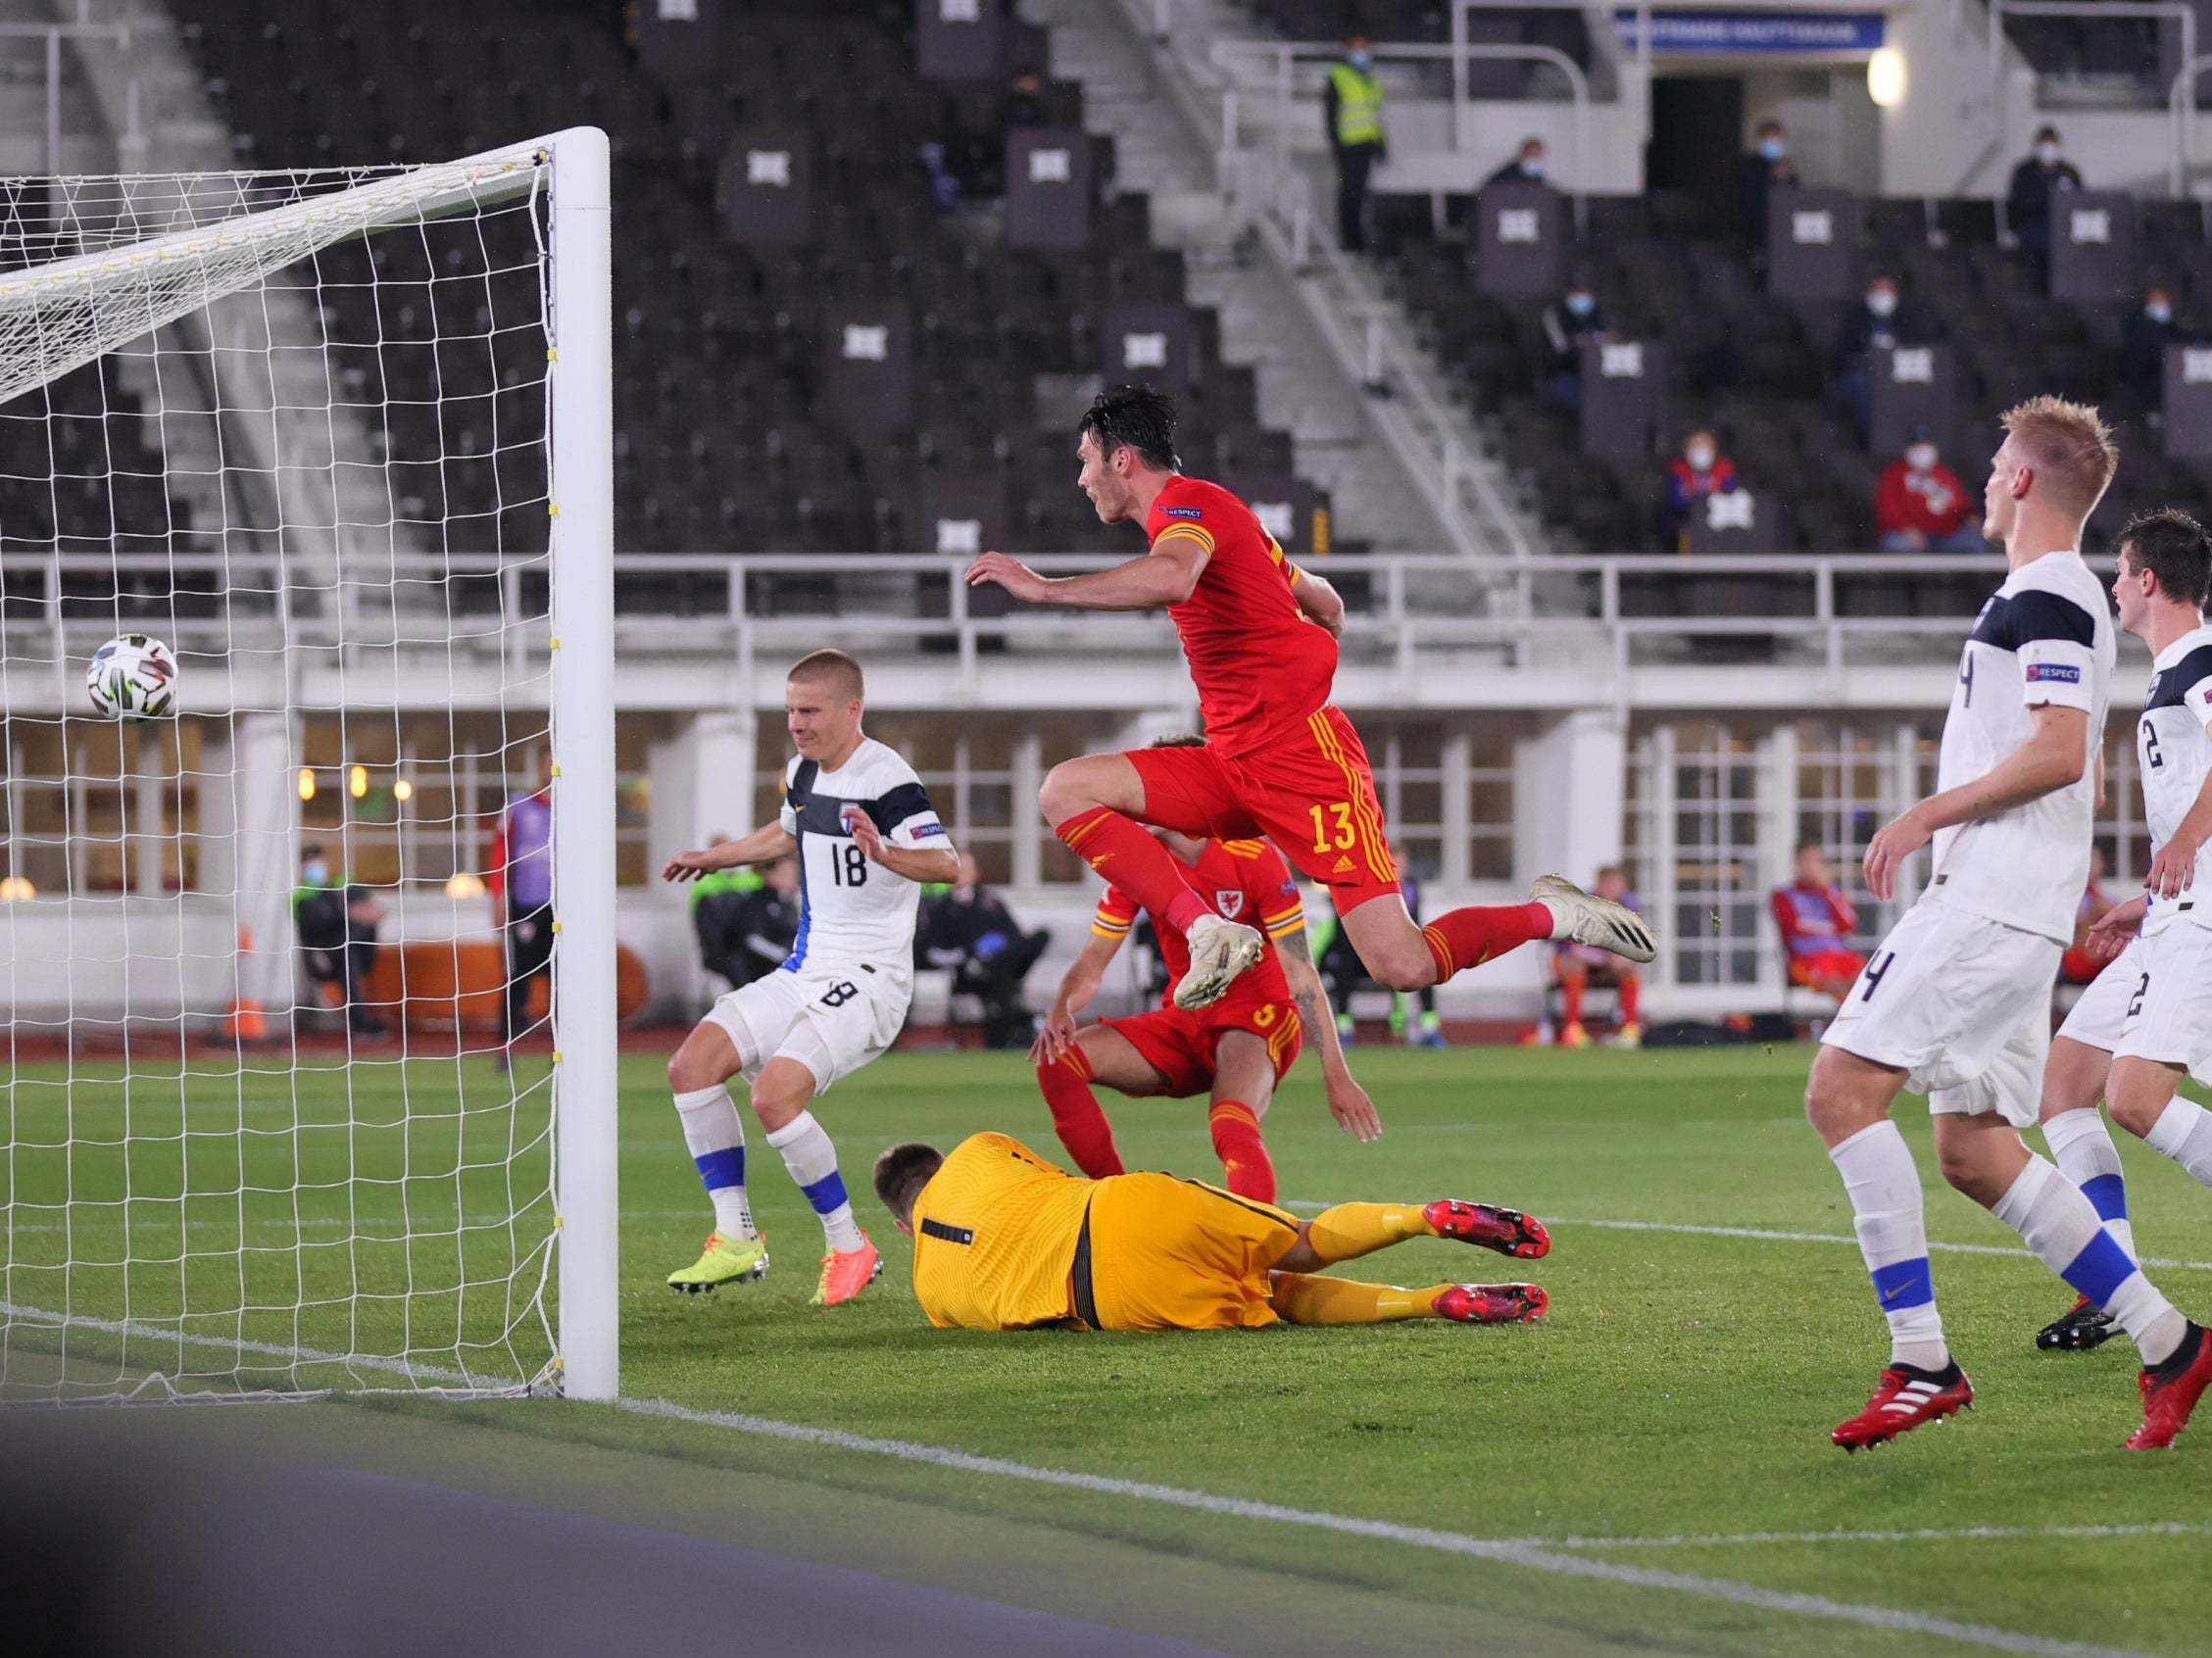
point(339, 438)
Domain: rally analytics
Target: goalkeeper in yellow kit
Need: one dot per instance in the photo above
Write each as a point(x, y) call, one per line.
point(1006, 1241)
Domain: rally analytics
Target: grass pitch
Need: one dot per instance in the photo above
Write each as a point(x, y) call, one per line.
point(1670, 1416)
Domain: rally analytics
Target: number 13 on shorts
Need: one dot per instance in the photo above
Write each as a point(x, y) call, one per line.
point(1337, 823)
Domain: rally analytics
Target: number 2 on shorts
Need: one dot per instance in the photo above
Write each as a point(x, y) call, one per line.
point(1347, 836)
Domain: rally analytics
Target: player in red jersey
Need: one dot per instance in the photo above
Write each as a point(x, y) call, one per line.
point(1238, 1050)
point(1261, 636)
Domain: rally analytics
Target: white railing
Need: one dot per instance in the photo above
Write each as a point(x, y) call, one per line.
point(2181, 115)
point(1523, 607)
point(54, 34)
point(2097, 11)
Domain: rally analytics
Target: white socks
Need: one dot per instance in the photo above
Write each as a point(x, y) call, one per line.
point(716, 1141)
point(2064, 1230)
point(1883, 1188)
point(2183, 1132)
point(2081, 1147)
point(813, 1162)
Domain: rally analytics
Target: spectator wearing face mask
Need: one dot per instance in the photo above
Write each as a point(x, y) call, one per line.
point(337, 923)
point(1767, 165)
point(1568, 321)
point(2144, 339)
point(1700, 470)
point(1352, 107)
point(1526, 168)
point(1879, 325)
point(1921, 506)
point(2027, 206)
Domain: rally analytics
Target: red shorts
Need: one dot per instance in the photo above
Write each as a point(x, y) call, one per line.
point(1179, 1046)
point(1828, 964)
point(1307, 789)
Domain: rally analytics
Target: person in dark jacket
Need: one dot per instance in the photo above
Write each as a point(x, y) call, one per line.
point(1527, 166)
point(2143, 338)
point(971, 931)
point(1567, 321)
point(747, 926)
point(1767, 164)
point(2040, 176)
point(338, 924)
point(1881, 324)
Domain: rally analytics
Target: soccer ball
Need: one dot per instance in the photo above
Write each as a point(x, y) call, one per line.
point(132, 676)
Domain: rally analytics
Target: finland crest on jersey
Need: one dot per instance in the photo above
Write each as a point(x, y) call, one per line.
point(2173, 752)
point(2044, 638)
point(853, 913)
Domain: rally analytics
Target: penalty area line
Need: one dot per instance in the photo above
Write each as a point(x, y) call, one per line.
point(1507, 1552)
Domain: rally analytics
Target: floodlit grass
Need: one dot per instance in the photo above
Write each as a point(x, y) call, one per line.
point(1683, 1386)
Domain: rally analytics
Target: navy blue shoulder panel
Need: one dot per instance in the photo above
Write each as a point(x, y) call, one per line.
point(2010, 621)
point(2168, 685)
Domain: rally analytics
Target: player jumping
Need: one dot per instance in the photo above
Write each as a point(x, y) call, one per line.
point(1956, 1003)
point(866, 838)
point(1238, 1050)
point(1006, 1241)
point(2148, 1016)
point(1261, 636)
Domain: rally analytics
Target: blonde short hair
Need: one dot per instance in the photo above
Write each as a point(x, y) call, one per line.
point(835, 669)
point(2070, 447)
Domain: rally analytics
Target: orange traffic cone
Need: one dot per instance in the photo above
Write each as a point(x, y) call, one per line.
point(245, 1021)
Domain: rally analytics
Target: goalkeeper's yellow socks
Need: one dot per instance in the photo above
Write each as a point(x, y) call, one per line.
point(1307, 1299)
point(1359, 1229)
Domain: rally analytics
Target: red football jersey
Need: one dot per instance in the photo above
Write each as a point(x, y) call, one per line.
point(1258, 664)
point(1245, 881)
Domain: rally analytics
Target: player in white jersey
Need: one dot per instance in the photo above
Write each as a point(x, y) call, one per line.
point(1956, 1001)
point(2148, 1016)
point(866, 838)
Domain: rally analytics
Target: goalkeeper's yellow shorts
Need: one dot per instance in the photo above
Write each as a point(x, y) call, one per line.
point(1178, 1254)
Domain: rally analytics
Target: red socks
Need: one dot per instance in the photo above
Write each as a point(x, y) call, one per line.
point(1076, 1118)
point(1245, 1167)
point(1631, 991)
point(1121, 849)
point(1468, 938)
point(1570, 1000)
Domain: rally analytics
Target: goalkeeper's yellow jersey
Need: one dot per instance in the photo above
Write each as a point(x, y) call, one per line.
point(994, 1234)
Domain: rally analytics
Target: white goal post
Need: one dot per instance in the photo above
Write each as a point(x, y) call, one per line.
point(343, 439)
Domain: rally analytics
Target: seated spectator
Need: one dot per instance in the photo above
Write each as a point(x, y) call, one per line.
point(1023, 104)
point(1767, 164)
point(968, 930)
point(2027, 203)
point(1526, 168)
point(1568, 321)
point(1700, 470)
point(1577, 967)
point(1921, 506)
point(1877, 325)
point(2077, 966)
point(2143, 338)
point(1817, 922)
point(1346, 975)
point(747, 919)
point(337, 928)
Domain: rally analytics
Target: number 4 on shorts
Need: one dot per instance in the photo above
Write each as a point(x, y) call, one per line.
point(1870, 977)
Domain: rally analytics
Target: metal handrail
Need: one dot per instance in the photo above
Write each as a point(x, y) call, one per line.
point(54, 34)
point(2181, 114)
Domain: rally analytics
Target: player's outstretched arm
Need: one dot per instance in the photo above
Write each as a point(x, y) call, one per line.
point(1321, 602)
point(2055, 755)
point(1349, 1104)
point(1166, 576)
point(926, 864)
point(764, 845)
point(2109, 934)
point(1077, 987)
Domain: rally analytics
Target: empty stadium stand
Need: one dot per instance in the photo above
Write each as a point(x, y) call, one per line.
point(723, 439)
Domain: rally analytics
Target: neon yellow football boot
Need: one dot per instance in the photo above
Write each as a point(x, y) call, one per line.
point(725, 1260)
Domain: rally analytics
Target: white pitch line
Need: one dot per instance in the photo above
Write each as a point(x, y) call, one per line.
point(1505, 1550)
point(1535, 1553)
point(1929, 1533)
point(1765, 1235)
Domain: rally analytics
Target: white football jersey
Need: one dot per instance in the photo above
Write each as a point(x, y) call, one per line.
point(2173, 752)
point(854, 915)
point(2046, 636)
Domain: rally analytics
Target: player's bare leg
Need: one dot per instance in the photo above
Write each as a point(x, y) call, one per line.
point(2081, 1146)
point(1097, 805)
point(781, 1093)
point(1099, 1055)
point(699, 1072)
point(1985, 1158)
point(1244, 1084)
point(1403, 956)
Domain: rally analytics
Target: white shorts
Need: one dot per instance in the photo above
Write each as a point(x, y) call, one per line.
point(2153, 1002)
point(1960, 1002)
point(832, 1022)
